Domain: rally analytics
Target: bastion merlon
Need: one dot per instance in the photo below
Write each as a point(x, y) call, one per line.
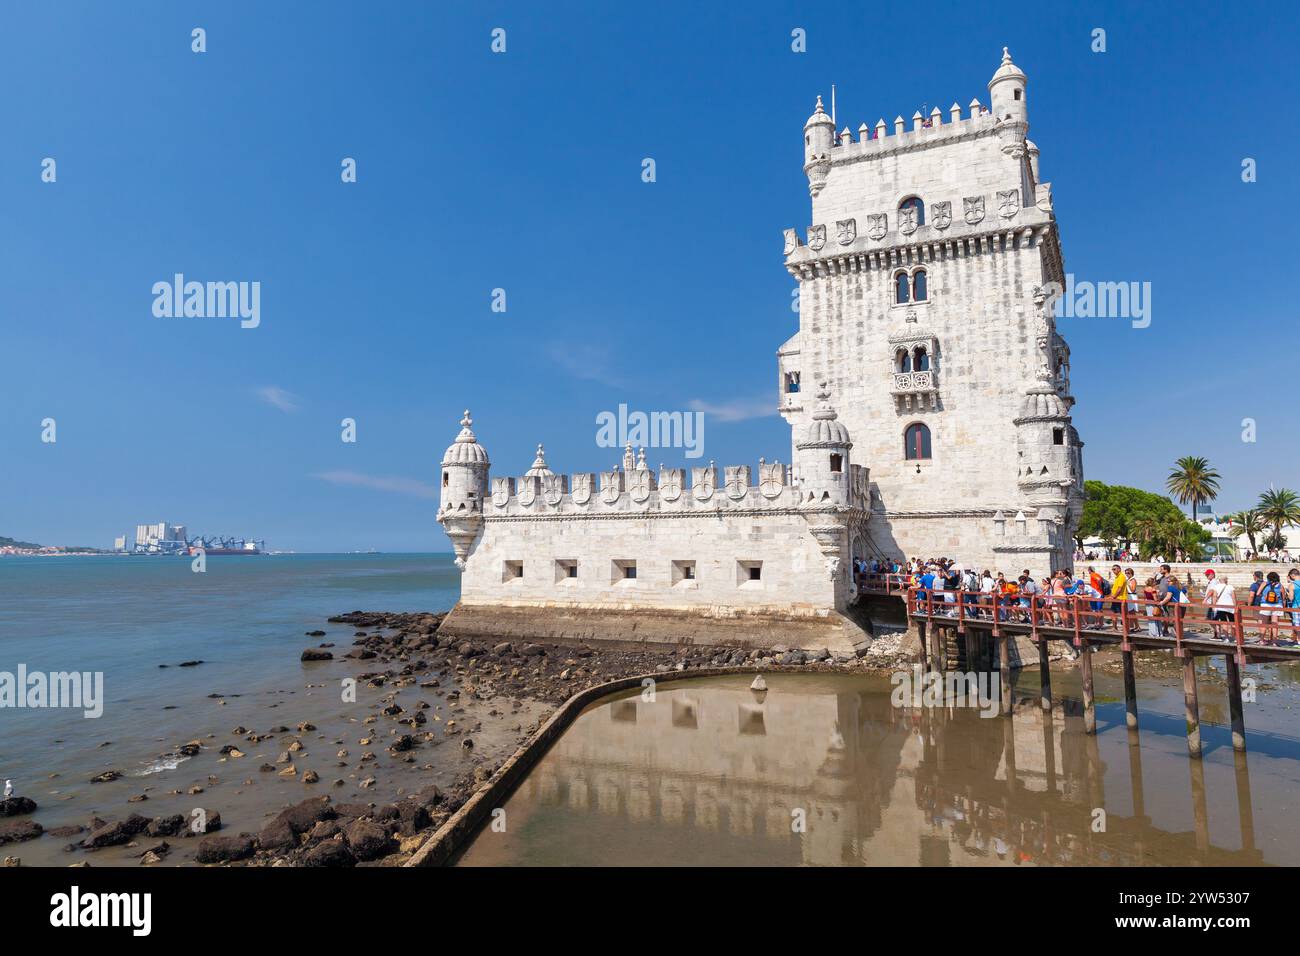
point(934, 334)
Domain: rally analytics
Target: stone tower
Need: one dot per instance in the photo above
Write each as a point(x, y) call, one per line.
point(923, 306)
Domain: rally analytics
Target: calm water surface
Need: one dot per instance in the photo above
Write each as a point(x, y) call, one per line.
point(709, 773)
point(245, 618)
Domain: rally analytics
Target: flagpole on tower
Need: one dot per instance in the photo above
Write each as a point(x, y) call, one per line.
point(833, 105)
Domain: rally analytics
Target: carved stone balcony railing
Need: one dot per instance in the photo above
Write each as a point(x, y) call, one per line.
point(915, 390)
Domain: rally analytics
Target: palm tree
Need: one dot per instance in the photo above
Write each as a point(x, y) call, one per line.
point(1193, 481)
point(1279, 507)
point(1248, 523)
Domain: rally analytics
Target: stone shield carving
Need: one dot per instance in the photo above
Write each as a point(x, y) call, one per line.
point(907, 220)
point(847, 230)
point(703, 484)
point(816, 238)
point(670, 484)
point(1008, 203)
point(553, 489)
point(736, 484)
point(609, 490)
point(877, 225)
point(500, 492)
point(640, 482)
point(528, 493)
point(791, 241)
point(974, 209)
point(581, 489)
point(770, 483)
point(941, 215)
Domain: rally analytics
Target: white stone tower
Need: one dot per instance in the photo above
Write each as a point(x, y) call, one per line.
point(919, 307)
point(465, 467)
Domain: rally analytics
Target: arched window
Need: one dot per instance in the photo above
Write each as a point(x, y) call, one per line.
point(837, 463)
point(921, 359)
point(901, 288)
point(902, 361)
point(919, 291)
point(916, 442)
point(914, 202)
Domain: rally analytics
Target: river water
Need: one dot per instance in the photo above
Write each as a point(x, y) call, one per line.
point(823, 770)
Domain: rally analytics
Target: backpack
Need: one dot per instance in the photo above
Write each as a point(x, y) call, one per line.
point(1270, 594)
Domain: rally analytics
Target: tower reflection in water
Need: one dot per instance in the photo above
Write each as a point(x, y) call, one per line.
point(822, 770)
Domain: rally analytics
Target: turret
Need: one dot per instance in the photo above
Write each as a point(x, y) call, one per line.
point(464, 489)
point(1046, 442)
point(823, 456)
point(818, 138)
point(1010, 110)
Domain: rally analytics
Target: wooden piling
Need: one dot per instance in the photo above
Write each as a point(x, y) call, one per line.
point(1234, 702)
point(1089, 704)
point(1130, 692)
point(1044, 676)
point(1191, 709)
point(1004, 673)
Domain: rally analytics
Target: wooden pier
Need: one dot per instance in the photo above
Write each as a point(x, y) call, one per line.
point(979, 625)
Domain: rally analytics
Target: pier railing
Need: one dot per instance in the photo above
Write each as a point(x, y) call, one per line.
point(1251, 633)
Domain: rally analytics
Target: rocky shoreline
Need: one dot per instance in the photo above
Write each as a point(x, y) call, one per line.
point(459, 685)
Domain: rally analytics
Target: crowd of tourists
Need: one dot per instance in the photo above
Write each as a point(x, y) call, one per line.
point(1102, 600)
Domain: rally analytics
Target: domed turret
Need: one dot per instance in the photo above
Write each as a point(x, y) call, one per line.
point(1007, 97)
point(539, 469)
point(464, 489)
point(818, 138)
point(466, 450)
point(823, 455)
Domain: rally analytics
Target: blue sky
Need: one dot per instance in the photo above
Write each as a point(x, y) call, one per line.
point(522, 171)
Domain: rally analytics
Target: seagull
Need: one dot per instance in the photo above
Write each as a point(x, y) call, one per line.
point(9, 789)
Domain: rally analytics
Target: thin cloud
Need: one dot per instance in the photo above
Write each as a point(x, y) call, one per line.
point(386, 483)
point(735, 411)
point(277, 397)
point(585, 361)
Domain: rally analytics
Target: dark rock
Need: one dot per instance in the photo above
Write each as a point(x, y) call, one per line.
point(301, 817)
point(106, 776)
point(329, 853)
point(173, 825)
point(15, 806)
point(224, 849)
point(316, 654)
point(315, 633)
point(115, 834)
point(369, 841)
point(17, 831)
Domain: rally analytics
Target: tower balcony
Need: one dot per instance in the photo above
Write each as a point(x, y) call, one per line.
point(915, 391)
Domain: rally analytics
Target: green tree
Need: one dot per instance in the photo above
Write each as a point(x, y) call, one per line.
point(1117, 513)
point(1248, 523)
point(1277, 508)
point(1193, 482)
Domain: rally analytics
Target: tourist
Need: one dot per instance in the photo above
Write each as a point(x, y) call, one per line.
point(1293, 599)
point(1220, 601)
point(1270, 607)
point(1170, 603)
point(1118, 594)
point(1150, 600)
point(1255, 585)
